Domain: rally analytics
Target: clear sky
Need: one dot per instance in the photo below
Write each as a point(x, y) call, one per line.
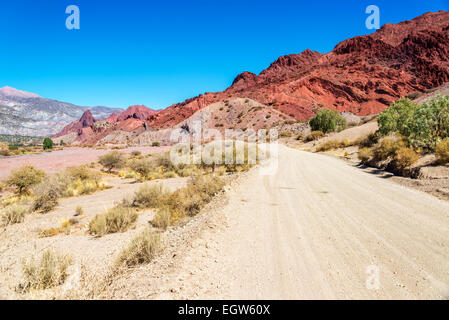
point(162, 52)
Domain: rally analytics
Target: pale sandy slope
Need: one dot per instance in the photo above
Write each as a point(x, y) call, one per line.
point(311, 231)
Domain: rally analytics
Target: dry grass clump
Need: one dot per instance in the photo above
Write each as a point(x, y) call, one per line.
point(405, 157)
point(189, 200)
point(334, 144)
point(150, 196)
point(142, 249)
point(365, 155)
point(314, 135)
point(78, 211)
point(442, 151)
point(388, 147)
point(162, 218)
point(25, 177)
point(64, 228)
point(13, 214)
point(117, 219)
point(48, 272)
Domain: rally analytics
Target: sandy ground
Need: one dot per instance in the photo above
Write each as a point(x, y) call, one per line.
point(53, 162)
point(23, 240)
point(317, 229)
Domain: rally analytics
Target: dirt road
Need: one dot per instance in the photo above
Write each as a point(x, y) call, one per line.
point(318, 229)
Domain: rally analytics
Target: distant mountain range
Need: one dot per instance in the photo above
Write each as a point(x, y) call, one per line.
point(28, 114)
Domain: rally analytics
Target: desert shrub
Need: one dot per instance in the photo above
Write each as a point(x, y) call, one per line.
point(150, 196)
point(48, 144)
point(442, 151)
point(413, 95)
point(13, 214)
point(136, 153)
point(83, 173)
point(156, 144)
point(142, 249)
point(161, 218)
point(387, 147)
point(314, 135)
point(1, 186)
point(48, 272)
point(117, 219)
point(25, 177)
point(365, 155)
point(405, 157)
point(328, 120)
point(142, 167)
point(423, 126)
point(112, 160)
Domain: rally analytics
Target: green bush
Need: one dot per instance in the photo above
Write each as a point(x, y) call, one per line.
point(156, 144)
point(112, 160)
point(48, 144)
point(328, 120)
point(25, 177)
point(423, 126)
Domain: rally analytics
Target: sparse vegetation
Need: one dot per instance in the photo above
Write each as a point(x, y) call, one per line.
point(78, 211)
point(48, 272)
point(142, 249)
point(117, 219)
point(156, 144)
point(328, 120)
point(25, 177)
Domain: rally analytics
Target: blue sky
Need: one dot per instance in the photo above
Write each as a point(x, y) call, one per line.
point(162, 52)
